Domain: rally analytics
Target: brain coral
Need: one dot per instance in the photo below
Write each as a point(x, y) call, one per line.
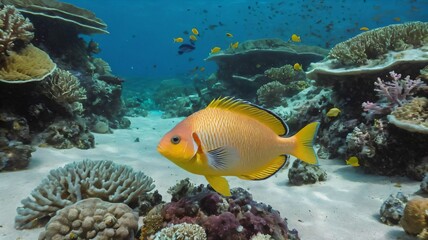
point(76, 181)
point(415, 217)
point(92, 218)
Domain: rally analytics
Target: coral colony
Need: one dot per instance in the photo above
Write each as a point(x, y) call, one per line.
point(57, 94)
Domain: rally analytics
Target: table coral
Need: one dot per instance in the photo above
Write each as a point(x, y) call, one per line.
point(80, 180)
point(92, 218)
point(372, 44)
point(415, 218)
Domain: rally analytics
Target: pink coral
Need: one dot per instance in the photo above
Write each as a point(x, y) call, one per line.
point(392, 94)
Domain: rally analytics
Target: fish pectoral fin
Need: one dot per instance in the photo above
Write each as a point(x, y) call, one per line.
point(219, 184)
point(274, 166)
point(222, 158)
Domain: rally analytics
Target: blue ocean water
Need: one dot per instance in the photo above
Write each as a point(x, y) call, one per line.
point(140, 43)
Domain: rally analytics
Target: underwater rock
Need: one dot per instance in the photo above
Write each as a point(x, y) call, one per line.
point(271, 94)
point(101, 127)
point(415, 218)
point(235, 217)
point(14, 155)
point(92, 218)
point(65, 134)
point(303, 173)
point(81, 180)
point(392, 208)
point(424, 184)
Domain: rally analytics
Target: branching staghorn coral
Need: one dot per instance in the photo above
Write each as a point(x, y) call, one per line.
point(76, 181)
point(374, 43)
point(392, 94)
point(13, 27)
point(64, 88)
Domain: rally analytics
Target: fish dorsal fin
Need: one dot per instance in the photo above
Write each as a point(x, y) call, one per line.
point(265, 116)
point(274, 166)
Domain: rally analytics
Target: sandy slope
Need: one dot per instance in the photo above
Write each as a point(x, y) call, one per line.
point(344, 207)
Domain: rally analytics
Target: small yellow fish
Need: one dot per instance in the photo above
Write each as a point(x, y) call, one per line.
point(229, 35)
point(333, 112)
point(397, 19)
point(215, 50)
point(231, 137)
point(297, 67)
point(353, 161)
point(234, 45)
point(202, 69)
point(195, 31)
point(178, 40)
point(295, 38)
point(364, 28)
point(193, 37)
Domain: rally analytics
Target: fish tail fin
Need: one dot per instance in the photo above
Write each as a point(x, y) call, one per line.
point(304, 148)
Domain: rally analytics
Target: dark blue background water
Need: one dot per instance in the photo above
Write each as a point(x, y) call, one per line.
point(141, 44)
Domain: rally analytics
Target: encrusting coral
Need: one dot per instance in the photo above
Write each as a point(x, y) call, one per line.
point(415, 217)
point(374, 43)
point(76, 181)
point(270, 94)
point(412, 116)
point(92, 218)
point(282, 74)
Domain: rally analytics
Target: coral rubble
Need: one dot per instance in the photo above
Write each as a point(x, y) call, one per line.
point(92, 218)
point(76, 181)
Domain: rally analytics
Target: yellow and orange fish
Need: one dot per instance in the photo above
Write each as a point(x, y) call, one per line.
point(229, 35)
point(231, 137)
point(298, 67)
point(364, 28)
point(178, 39)
point(234, 45)
point(193, 37)
point(215, 50)
point(195, 31)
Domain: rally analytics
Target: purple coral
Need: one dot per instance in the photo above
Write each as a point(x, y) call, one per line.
point(392, 94)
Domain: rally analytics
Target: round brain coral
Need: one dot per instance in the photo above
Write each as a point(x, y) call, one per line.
point(415, 218)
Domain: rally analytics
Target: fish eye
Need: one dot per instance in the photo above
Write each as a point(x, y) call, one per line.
point(175, 139)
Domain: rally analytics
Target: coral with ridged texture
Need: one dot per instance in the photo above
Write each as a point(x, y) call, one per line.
point(270, 94)
point(92, 218)
point(412, 116)
point(415, 217)
point(182, 231)
point(80, 180)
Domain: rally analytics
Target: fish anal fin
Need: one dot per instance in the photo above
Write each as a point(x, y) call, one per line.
point(264, 116)
point(274, 166)
point(219, 184)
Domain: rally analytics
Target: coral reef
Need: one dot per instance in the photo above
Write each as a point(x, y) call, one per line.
point(412, 116)
point(76, 181)
point(182, 231)
point(14, 30)
point(65, 134)
point(415, 217)
point(364, 140)
point(237, 217)
point(392, 208)
point(303, 173)
point(373, 44)
point(391, 94)
point(260, 236)
point(282, 74)
point(64, 88)
point(92, 218)
point(271, 94)
point(15, 151)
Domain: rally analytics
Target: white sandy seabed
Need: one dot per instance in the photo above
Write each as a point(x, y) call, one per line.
point(346, 206)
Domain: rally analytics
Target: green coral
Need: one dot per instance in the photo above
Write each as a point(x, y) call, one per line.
point(373, 44)
point(412, 116)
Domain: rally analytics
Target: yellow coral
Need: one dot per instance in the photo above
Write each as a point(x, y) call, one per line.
point(415, 218)
point(28, 65)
